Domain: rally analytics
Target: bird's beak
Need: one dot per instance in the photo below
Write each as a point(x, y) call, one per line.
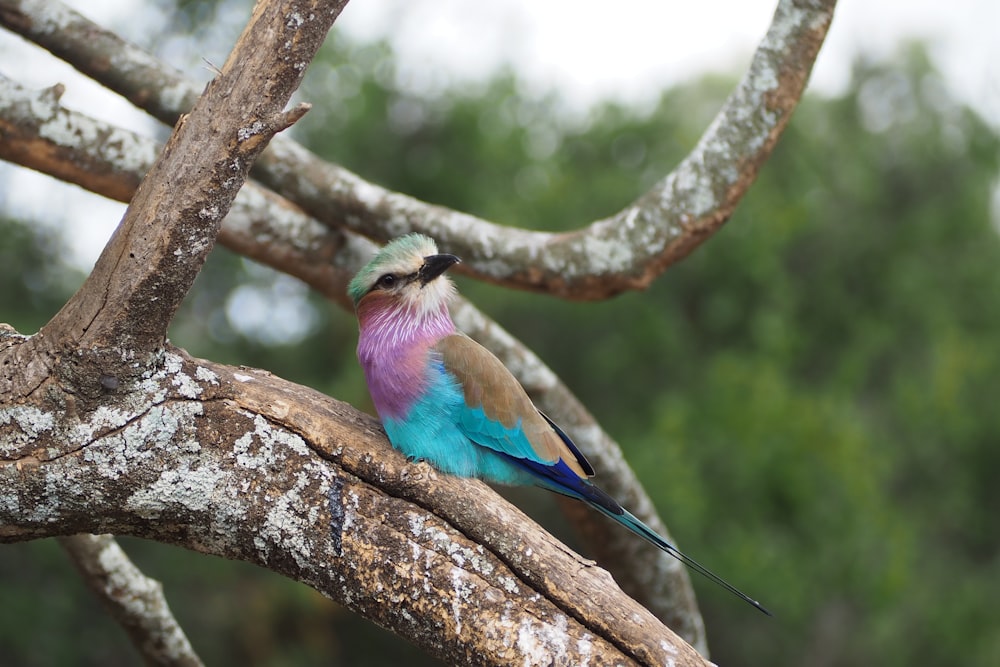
point(434, 266)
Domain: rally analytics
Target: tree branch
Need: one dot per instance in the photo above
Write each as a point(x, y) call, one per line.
point(626, 251)
point(151, 261)
point(111, 452)
point(133, 599)
point(598, 260)
point(38, 132)
point(271, 230)
point(240, 464)
point(121, 313)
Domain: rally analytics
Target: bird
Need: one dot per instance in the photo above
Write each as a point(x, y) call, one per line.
point(446, 400)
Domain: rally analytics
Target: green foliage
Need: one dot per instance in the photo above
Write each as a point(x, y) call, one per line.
point(35, 281)
point(809, 397)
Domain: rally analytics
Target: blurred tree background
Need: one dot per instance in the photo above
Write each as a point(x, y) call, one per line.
point(810, 398)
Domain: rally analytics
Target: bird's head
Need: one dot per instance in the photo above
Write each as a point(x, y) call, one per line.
point(407, 273)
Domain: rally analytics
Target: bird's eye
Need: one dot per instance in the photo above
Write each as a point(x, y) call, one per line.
point(386, 281)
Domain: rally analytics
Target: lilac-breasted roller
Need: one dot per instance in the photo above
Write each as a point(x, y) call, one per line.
point(445, 399)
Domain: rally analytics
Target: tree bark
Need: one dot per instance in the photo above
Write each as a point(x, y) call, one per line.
point(133, 599)
point(598, 260)
point(104, 428)
point(238, 463)
point(272, 230)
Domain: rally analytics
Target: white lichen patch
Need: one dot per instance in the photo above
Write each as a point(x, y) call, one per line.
point(367, 194)
point(432, 536)
point(32, 423)
point(10, 504)
point(266, 446)
point(789, 19)
point(150, 385)
point(290, 520)
point(764, 81)
point(428, 533)
point(170, 372)
point(417, 523)
point(129, 152)
point(510, 585)
point(631, 218)
point(351, 504)
point(607, 254)
point(123, 575)
point(56, 485)
point(151, 390)
point(287, 224)
point(186, 487)
point(693, 188)
point(585, 647)
point(669, 650)
point(255, 128)
point(462, 593)
point(209, 213)
point(203, 374)
point(542, 643)
point(82, 132)
point(53, 18)
point(161, 427)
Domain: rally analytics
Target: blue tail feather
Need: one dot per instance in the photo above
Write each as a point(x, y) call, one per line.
point(561, 479)
point(628, 520)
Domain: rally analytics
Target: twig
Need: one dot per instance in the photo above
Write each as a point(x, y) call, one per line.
point(133, 599)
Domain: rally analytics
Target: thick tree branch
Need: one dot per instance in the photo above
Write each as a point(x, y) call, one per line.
point(238, 463)
point(626, 251)
point(134, 600)
point(271, 230)
point(121, 313)
point(152, 259)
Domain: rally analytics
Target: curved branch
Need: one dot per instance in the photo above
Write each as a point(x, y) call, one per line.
point(269, 229)
point(626, 251)
point(238, 463)
point(134, 600)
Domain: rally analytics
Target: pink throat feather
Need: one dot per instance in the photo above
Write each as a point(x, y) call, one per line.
point(393, 347)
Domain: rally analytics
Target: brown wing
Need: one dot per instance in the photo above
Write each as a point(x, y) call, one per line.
point(486, 383)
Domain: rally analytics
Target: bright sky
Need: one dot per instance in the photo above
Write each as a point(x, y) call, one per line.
point(588, 50)
point(583, 48)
